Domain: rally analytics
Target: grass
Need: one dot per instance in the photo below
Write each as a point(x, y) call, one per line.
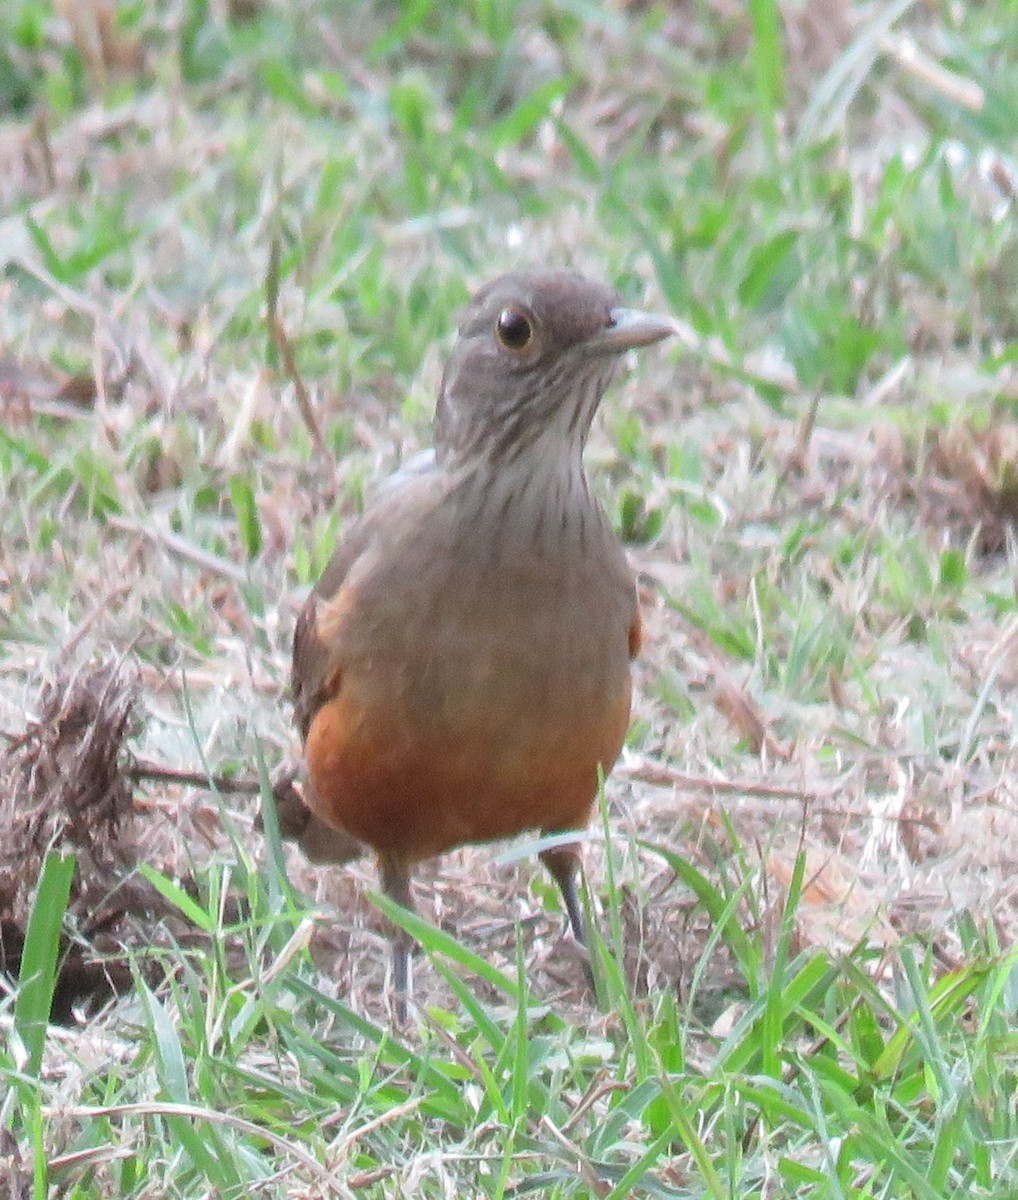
point(806, 972)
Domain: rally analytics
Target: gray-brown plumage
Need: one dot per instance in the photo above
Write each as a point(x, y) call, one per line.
point(461, 669)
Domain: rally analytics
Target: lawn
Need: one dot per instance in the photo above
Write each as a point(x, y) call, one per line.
point(235, 239)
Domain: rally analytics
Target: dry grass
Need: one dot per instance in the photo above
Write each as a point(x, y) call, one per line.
point(232, 256)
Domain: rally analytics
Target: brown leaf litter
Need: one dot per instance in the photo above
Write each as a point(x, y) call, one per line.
point(66, 785)
point(28, 389)
point(964, 478)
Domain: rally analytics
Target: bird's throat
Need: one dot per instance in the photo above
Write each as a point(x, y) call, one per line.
point(539, 507)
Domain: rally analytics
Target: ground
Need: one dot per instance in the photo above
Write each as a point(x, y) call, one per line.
point(234, 241)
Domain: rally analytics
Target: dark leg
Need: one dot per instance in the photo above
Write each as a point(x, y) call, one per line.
point(396, 885)
point(564, 864)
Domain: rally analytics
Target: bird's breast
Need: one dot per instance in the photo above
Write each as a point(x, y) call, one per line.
point(480, 693)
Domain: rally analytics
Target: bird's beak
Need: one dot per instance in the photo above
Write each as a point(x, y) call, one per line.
point(628, 329)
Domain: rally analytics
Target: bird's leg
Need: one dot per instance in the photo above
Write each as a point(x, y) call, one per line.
point(395, 878)
point(564, 864)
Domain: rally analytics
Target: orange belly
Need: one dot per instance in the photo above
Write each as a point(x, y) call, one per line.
point(410, 788)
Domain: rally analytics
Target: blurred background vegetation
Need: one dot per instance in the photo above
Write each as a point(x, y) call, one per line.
point(234, 240)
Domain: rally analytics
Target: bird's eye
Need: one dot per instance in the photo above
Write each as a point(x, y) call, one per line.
point(514, 329)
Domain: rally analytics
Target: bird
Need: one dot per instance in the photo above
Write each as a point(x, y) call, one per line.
point(461, 669)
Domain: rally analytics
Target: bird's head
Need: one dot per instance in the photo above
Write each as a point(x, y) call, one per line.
point(535, 353)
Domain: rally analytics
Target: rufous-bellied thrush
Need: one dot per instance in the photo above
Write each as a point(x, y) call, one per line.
point(461, 671)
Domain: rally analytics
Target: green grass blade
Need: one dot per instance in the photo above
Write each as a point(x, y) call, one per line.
point(41, 952)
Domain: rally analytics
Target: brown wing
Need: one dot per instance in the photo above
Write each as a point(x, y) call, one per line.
point(317, 665)
point(305, 671)
point(315, 675)
point(316, 669)
point(635, 631)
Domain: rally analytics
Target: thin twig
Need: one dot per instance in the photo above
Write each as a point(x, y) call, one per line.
point(958, 89)
point(338, 1153)
point(595, 1092)
point(662, 776)
point(304, 407)
point(182, 548)
point(652, 772)
point(796, 461)
point(154, 773)
point(285, 347)
point(40, 131)
point(585, 1168)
